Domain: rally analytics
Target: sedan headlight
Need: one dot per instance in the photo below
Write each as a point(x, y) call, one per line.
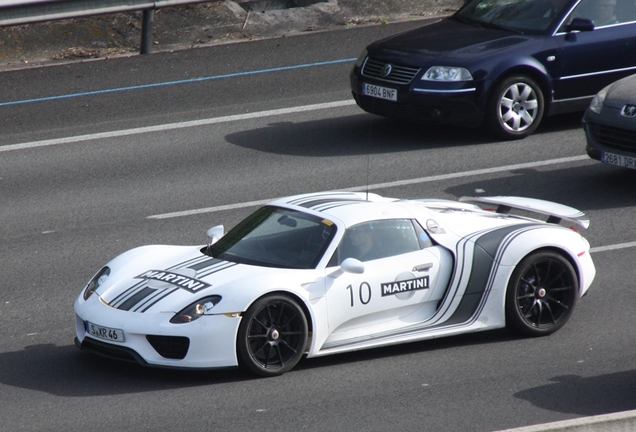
point(96, 282)
point(196, 310)
point(447, 73)
point(597, 103)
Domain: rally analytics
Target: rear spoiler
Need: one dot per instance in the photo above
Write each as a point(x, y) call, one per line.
point(555, 212)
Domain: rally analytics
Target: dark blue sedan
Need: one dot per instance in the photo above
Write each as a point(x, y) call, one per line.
point(503, 64)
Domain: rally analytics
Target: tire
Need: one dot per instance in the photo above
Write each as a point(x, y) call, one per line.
point(541, 294)
point(515, 108)
point(272, 336)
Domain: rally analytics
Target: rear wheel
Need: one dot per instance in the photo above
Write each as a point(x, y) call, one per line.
point(541, 294)
point(515, 108)
point(272, 336)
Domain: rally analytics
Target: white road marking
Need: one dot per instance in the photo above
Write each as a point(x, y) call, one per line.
point(282, 111)
point(173, 126)
point(382, 185)
point(613, 247)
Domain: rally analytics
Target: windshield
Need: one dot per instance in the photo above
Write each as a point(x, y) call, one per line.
point(523, 16)
point(276, 237)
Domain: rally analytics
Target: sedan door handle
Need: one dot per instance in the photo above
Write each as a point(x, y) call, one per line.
point(423, 267)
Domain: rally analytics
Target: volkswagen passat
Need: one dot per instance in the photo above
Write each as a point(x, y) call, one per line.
point(504, 64)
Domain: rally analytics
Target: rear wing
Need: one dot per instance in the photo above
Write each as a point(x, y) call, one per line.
point(555, 212)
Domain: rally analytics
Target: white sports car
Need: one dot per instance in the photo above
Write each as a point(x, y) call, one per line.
point(331, 272)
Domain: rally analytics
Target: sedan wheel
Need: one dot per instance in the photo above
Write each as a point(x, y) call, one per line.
point(515, 108)
point(541, 294)
point(272, 336)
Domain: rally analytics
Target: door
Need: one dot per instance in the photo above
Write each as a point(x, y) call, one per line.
point(590, 60)
point(402, 282)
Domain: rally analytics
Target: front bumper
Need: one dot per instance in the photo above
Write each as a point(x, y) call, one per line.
point(609, 132)
point(458, 106)
point(151, 340)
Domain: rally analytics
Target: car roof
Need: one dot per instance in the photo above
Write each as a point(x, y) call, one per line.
point(350, 208)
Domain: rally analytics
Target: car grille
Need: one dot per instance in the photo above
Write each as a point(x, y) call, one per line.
point(613, 137)
point(172, 347)
point(111, 351)
point(399, 74)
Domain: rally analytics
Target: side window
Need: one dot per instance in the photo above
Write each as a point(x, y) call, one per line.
point(380, 239)
point(601, 12)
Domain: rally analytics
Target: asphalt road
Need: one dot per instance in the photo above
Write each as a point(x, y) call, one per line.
point(100, 157)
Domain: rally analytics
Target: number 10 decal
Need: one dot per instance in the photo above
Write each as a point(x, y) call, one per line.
point(364, 293)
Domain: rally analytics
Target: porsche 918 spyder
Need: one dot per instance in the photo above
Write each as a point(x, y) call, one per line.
point(326, 273)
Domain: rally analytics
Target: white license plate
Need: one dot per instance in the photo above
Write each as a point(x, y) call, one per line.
point(379, 92)
point(106, 333)
point(619, 160)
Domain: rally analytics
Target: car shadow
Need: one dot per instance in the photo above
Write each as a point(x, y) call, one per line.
point(590, 396)
point(490, 337)
point(594, 187)
point(69, 372)
point(369, 134)
point(65, 370)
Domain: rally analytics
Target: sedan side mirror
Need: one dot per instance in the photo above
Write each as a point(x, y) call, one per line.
point(580, 24)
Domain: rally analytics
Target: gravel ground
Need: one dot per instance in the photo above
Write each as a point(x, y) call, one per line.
point(192, 26)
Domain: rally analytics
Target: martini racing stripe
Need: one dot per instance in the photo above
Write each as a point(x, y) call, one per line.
point(190, 263)
point(140, 297)
point(126, 294)
point(330, 200)
point(488, 248)
point(151, 302)
point(218, 266)
point(201, 265)
point(134, 299)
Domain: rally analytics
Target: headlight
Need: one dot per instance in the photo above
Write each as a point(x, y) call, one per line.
point(96, 282)
point(597, 103)
point(361, 58)
point(196, 310)
point(447, 73)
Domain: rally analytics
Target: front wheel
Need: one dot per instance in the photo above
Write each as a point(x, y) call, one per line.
point(272, 336)
point(515, 108)
point(541, 294)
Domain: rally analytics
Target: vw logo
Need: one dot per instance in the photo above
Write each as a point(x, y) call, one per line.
point(386, 70)
point(629, 111)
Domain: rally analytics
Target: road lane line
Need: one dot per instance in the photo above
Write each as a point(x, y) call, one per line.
point(173, 126)
point(170, 83)
point(383, 185)
point(613, 247)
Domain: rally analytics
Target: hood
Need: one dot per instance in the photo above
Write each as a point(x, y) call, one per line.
point(169, 278)
point(447, 39)
point(622, 92)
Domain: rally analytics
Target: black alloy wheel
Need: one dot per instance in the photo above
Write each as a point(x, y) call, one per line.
point(272, 336)
point(541, 294)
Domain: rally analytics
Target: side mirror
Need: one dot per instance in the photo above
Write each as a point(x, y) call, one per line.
point(580, 24)
point(215, 233)
point(352, 265)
